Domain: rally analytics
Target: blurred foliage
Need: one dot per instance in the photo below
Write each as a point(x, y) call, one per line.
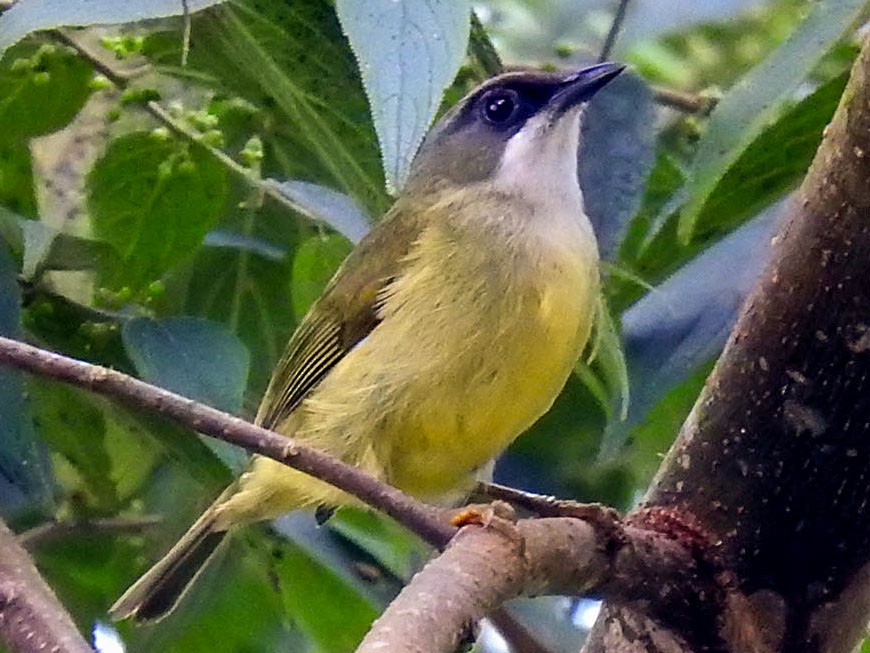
point(191, 268)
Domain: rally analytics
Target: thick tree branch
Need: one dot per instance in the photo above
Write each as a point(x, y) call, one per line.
point(31, 618)
point(484, 567)
point(424, 520)
point(771, 469)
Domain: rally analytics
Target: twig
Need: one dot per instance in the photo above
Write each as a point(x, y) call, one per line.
point(53, 531)
point(701, 104)
point(424, 520)
point(32, 620)
point(121, 80)
point(516, 633)
point(615, 26)
point(185, 39)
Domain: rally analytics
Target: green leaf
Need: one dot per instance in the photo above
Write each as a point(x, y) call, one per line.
point(314, 263)
point(33, 15)
point(653, 437)
point(154, 200)
point(408, 53)
point(50, 77)
point(23, 458)
point(604, 370)
point(291, 62)
point(42, 87)
point(46, 248)
point(10, 231)
point(311, 591)
point(773, 163)
point(246, 289)
point(75, 428)
point(394, 547)
point(196, 358)
point(759, 98)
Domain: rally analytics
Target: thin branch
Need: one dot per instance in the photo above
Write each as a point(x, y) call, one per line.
point(615, 26)
point(58, 530)
point(185, 39)
point(32, 620)
point(122, 80)
point(519, 637)
point(424, 520)
point(700, 103)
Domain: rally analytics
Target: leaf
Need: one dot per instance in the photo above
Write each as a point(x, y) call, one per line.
point(16, 178)
point(154, 200)
point(46, 248)
point(10, 231)
point(311, 591)
point(195, 358)
point(314, 263)
point(653, 436)
point(336, 209)
point(31, 75)
point(685, 321)
point(616, 157)
point(25, 472)
point(394, 547)
point(606, 376)
point(246, 289)
point(759, 98)
point(75, 427)
point(408, 53)
point(772, 163)
point(291, 62)
point(50, 77)
point(33, 15)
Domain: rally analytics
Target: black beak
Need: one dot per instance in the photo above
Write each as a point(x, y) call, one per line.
point(582, 85)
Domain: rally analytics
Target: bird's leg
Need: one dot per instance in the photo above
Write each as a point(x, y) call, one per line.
point(549, 506)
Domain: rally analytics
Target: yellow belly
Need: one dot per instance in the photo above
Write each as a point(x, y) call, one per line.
point(467, 418)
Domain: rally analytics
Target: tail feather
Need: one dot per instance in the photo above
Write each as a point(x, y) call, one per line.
point(157, 592)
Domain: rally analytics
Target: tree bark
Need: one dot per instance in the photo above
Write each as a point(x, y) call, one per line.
point(31, 618)
point(769, 479)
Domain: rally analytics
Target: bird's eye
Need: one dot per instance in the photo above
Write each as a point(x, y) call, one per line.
point(499, 106)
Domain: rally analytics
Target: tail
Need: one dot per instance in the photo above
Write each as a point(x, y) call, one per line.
point(157, 592)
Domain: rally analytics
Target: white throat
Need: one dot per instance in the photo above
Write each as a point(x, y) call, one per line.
point(539, 164)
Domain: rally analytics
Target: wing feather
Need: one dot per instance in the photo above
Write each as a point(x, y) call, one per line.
point(346, 313)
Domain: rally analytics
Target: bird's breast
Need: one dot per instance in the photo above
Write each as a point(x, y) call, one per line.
point(497, 357)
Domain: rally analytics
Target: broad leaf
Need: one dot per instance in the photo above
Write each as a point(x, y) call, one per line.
point(311, 589)
point(616, 156)
point(759, 98)
point(408, 52)
point(290, 61)
point(33, 15)
point(51, 78)
point(153, 199)
point(335, 209)
point(196, 358)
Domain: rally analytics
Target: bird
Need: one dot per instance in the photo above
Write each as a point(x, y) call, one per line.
point(448, 330)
